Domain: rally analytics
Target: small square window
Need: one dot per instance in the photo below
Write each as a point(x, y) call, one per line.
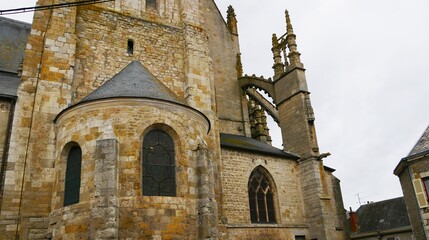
point(151, 3)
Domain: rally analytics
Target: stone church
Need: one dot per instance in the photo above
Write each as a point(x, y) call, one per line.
point(132, 119)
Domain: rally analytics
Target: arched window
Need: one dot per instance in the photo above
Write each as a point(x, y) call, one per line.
point(159, 170)
point(151, 3)
point(72, 180)
point(261, 197)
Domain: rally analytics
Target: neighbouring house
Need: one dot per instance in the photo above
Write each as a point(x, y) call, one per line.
point(387, 220)
point(413, 173)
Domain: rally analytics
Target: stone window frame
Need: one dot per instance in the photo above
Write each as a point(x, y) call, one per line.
point(425, 182)
point(65, 154)
point(275, 205)
point(176, 141)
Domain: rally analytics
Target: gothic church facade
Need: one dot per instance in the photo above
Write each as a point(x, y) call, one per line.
point(133, 120)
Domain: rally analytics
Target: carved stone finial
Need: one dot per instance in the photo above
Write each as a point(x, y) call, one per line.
point(278, 65)
point(231, 20)
point(289, 28)
point(239, 66)
point(294, 55)
point(21, 66)
point(275, 40)
point(309, 109)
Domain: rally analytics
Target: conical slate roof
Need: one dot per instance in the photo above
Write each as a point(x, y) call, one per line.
point(134, 81)
point(421, 145)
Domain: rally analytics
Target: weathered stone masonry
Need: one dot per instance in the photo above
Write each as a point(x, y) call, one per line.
point(84, 85)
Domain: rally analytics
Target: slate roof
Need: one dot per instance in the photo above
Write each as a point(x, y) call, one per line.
point(384, 215)
point(9, 83)
point(422, 144)
point(134, 81)
point(252, 145)
point(13, 39)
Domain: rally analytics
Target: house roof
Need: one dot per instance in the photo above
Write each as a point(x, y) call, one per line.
point(384, 215)
point(9, 83)
point(134, 81)
point(252, 145)
point(13, 39)
point(422, 144)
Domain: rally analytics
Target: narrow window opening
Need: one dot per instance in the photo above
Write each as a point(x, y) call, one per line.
point(151, 3)
point(130, 47)
point(72, 179)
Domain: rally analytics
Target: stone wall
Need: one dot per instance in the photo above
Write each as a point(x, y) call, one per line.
point(237, 167)
point(5, 108)
point(126, 121)
point(101, 51)
point(224, 47)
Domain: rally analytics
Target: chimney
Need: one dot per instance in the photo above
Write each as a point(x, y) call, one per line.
point(353, 221)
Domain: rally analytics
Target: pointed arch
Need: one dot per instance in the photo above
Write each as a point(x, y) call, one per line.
point(262, 195)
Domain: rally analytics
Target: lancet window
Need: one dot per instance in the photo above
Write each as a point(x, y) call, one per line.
point(72, 179)
point(261, 197)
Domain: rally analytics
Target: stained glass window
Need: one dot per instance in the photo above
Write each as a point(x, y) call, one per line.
point(159, 170)
point(261, 197)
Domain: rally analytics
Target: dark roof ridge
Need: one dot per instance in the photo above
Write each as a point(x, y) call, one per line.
point(134, 81)
point(252, 145)
point(422, 144)
point(15, 21)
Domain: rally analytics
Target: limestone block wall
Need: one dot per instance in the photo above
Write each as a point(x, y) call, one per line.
point(337, 212)
point(101, 51)
point(294, 126)
point(224, 47)
point(127, 121)
point(47, 72)
point(165, 10)
point(5, 108)
point(237, 167)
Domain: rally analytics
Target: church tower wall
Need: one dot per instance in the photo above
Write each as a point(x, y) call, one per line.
point(73, 51)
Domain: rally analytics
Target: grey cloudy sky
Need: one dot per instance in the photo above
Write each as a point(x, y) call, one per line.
point(367, 67)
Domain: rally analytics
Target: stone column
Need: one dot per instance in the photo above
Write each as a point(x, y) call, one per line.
point(104, 204)
point(206, 202)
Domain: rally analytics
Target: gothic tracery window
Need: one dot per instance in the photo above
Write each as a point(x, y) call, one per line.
point(72, 179)
point(158, 165)
point(261, 197)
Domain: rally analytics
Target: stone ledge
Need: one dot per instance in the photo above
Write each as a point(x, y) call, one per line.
point(249, 225)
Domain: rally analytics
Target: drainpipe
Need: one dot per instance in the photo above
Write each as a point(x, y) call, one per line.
point(6, 148)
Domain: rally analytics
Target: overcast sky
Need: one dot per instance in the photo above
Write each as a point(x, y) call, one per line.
point(367, 67)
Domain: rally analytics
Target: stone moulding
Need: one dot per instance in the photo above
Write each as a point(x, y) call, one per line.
point(129, 101)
